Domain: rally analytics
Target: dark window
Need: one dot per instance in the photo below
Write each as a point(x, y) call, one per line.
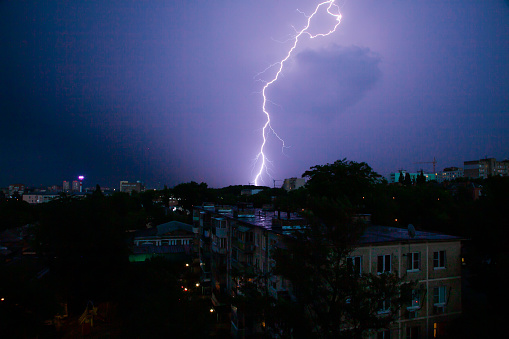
point(412, 332)
point(384, 263)
point(414, 261)
point(354, 265)
point(439, 259)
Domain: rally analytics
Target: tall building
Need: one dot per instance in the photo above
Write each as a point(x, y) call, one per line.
point(450, 173)
point(235, 245)
point(293, 183)
point(66, 186)
point(75, 186)
point(484, 168)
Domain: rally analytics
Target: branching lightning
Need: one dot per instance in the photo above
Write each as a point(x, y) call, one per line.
point(332, 9)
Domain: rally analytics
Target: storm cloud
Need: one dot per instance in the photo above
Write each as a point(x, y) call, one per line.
point(327, 81)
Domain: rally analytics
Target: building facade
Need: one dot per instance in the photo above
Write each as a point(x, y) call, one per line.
point(485, 168)
point(235, 246)
point(450, 174)
point(293, 183)
point(39, 198)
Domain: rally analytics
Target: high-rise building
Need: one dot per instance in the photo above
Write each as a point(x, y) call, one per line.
point(449, 174)
point(293, 183)
point(75, 186)
point(66, 186)
point(486, 167)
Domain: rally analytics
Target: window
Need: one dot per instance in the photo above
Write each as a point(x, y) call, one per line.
point(415, 300)
point(439, 259)
point(384, 263)
point(222, 242)
point(439, 296)
point(353, 265)
point(386, 334)
point(412, 332)
point(414, 261)
point(384, 305)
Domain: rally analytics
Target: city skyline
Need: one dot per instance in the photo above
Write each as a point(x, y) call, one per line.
point(166, 93)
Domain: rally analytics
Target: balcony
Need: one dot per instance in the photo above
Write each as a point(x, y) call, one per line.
point(248, 247)
point(221, 232)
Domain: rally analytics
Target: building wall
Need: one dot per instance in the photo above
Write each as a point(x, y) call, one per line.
point(426, 316)
point(258, 245)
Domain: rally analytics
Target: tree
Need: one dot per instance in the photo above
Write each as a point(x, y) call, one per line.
point(421, 179)
point(191, 194)
point(408, 180)
point(335, 301)
point(332, 299)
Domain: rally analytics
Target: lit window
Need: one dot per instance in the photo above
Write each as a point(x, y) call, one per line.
point(439, 259)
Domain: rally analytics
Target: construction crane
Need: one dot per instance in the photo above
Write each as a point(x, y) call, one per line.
point(434, 162)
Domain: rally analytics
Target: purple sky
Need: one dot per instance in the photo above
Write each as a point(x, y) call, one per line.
point(165, 91)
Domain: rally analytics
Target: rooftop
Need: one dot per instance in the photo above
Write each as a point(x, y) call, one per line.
point(373, 234)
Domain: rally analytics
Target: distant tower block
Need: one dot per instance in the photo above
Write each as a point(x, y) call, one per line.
point(66, 187)
point(293, 183)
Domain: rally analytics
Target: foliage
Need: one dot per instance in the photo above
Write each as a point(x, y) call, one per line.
point(191, 194)
point(84, 243)
point(15, 213)
point(336, 301)
point(345, 181)
point(154, 305)
point(332, 299)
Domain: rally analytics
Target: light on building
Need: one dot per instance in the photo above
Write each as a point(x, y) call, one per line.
point(211, 310)
point(197, 284)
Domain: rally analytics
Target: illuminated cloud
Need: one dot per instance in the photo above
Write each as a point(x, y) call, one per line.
point(327, 81)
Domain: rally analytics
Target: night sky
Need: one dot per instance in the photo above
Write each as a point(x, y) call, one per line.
point(165, 91)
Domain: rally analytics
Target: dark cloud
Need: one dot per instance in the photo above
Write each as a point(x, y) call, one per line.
point(327, 80)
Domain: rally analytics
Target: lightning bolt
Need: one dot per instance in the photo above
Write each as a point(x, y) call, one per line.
point(332, 9)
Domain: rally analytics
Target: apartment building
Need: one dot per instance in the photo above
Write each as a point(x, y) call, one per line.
point(484, 168)
point(236, 243)
point(450, 174)
point(432, 260)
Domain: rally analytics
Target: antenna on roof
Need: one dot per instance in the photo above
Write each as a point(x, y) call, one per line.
point(411, 231)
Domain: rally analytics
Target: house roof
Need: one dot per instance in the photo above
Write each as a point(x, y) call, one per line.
point(380, 234)
point(163, 249)
point(163, 229)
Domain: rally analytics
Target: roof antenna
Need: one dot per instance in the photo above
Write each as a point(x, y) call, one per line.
point(411, 231)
